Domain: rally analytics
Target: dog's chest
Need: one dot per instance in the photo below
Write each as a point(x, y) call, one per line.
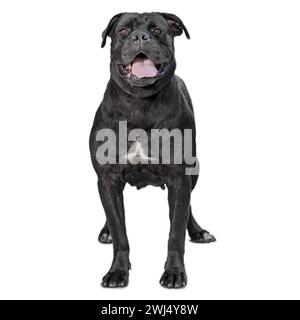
point(143, 116)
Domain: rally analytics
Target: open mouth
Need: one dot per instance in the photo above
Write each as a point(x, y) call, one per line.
point(142, 67)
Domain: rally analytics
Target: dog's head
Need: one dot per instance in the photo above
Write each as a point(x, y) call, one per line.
point(142, 50)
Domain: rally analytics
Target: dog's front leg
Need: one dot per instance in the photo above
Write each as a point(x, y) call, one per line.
point(179, 192)
point(111, 194)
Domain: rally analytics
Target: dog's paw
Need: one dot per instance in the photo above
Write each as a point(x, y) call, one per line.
point(202, 237)
point(115, 279)
point(173, 280)
point(105, 237)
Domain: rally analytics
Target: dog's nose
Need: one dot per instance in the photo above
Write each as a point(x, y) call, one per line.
point(140, 37)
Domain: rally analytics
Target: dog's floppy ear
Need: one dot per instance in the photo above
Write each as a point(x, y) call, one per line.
point(176, 24)
point(107, 32)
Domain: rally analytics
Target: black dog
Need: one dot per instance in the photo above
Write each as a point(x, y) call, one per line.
point(144, 91)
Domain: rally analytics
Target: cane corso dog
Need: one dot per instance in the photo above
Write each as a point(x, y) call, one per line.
point(144, 91)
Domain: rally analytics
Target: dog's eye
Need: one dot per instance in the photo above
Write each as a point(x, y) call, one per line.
point(123, 32)
point(156, 31)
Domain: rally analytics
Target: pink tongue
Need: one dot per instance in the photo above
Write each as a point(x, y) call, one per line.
point(143, 68)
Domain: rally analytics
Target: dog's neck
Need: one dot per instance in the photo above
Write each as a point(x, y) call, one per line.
point(140, 92)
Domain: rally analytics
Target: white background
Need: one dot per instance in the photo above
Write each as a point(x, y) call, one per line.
point(242, 69)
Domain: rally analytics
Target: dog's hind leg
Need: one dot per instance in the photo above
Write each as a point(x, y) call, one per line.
point(196, 233)
point(104, 235)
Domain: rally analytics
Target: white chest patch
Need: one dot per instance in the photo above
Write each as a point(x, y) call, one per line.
point(137, 154)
